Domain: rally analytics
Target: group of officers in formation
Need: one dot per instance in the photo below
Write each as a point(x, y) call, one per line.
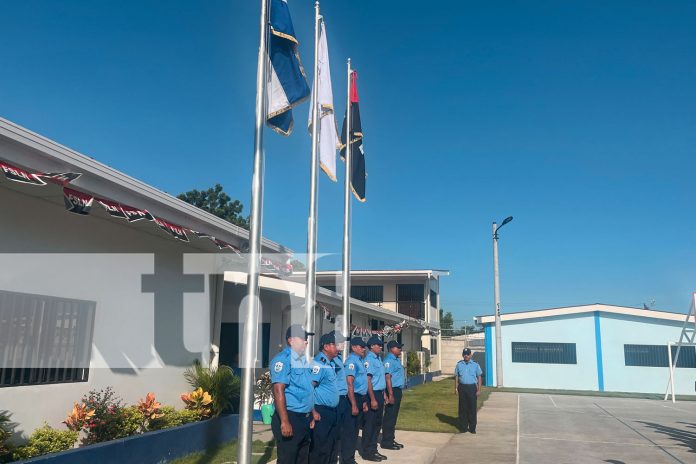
point(321, 405)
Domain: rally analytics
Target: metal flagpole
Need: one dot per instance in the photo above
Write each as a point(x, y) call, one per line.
point(310, 284)
point(252, 300)
point(345, 323)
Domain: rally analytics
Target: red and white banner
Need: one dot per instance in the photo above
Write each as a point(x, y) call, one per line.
point(135, 214)
point(114, 209)
point(20, 175)
point(176, 231)
point(77, 202)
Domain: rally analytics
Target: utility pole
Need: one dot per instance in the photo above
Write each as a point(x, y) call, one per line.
point(496, 289)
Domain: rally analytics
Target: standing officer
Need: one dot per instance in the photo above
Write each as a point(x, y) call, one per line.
point(467, 384)
point(376, 383)
point(324, 436)
point(396, 380)
point(344, 407)
point(294, 398)
point(356, 379)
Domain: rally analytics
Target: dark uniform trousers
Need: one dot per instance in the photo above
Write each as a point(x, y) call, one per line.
point(295, 449)
point(391, 412)
point(350, 428)
point(324, 436)
point(342, 414)
point(467, 406)
point(373, 424)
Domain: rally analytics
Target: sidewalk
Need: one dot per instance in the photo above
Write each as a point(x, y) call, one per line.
point(496, 438)
point(419, 447)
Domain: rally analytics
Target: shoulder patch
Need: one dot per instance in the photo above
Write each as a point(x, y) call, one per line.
point(315, 370)
point(386, 364)
point(278, 366)
point(351, 366)
point(367, 364)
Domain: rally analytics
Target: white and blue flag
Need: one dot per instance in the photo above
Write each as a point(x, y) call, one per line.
point(287, 84)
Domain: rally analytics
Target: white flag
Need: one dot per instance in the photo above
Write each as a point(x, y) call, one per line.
point(328, 130)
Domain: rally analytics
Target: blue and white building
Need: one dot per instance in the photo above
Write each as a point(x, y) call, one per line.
point(593, 347)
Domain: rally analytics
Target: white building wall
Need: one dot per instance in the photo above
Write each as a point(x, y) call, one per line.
point(48, 251)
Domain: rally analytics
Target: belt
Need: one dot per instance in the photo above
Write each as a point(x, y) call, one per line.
point(466, 384)
point(299, 414)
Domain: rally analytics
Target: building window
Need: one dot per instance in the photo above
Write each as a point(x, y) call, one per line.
point(544, 353)
point(657, 356)
point(44, 340)
point(433, 298)
point(409, 299)
point(433, 346)
point(367, 293)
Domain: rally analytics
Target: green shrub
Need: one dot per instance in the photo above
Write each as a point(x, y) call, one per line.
point(46, 440)
point(131, 422)
point(5, 434)
point(173, 418)
point(413, 366)
point(220, 383)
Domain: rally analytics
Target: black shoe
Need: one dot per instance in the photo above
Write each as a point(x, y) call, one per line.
point(397, 444)
point(389, 446)
point(381, 456)
point(472, 431)
point(372, 457)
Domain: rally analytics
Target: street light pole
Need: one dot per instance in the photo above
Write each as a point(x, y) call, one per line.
point(496, 290)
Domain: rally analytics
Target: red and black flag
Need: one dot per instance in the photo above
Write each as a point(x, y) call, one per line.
point(20, 175)
point(77, 202)
point(357, 154)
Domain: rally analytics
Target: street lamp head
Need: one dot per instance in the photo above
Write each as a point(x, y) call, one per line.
point(506, 220)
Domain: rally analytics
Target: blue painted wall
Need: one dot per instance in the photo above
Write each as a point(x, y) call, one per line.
point(599, 339)
point(618, 330)
point(153, 447)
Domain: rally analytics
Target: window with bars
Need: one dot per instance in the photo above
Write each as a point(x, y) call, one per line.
point(657, 356)
point(544, 353)
point(433, 346)
point(366, 293)
point(433, 298)
point(44, 339)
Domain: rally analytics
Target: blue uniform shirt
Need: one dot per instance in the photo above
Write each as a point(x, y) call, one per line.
point(293, 370)
point(393, 367)
point(355, 368)
point(375, 369)
point(340, 375)
point(324, 374)
point(467, 372)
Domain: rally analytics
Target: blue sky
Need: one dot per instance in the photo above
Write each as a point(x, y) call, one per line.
point(575, 117)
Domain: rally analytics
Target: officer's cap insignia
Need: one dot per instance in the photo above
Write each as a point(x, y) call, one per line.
point(315, 370)
point(278, 366)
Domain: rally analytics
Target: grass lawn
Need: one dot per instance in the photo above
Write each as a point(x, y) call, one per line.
point(261, 453)
point(432, 407)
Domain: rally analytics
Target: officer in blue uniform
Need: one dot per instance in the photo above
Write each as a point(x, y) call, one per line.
point(376, 384)
point(326, 400)
point(293, 393)
point(343, 410)
point(396, 381)
point(467, 385)
point(356, 380)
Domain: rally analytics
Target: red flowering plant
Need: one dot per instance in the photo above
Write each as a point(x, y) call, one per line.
point(106, 422)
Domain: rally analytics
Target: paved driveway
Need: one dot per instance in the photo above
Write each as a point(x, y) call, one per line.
point(557, 429)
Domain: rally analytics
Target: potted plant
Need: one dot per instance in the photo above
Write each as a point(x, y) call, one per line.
point(263, 395)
